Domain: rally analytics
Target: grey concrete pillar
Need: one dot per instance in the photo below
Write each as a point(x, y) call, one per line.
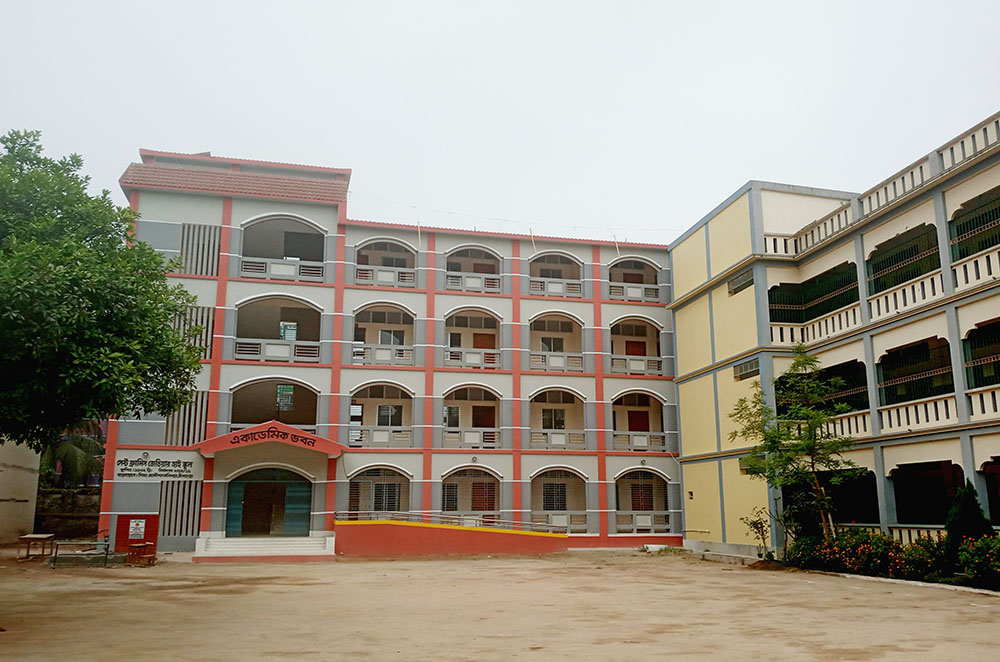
point(957, 364)
point(859, 263)
point(235, 249)
point(593, 490)
point(972, 472)
point(884, 491)
point(871, 373)
point(944, 243)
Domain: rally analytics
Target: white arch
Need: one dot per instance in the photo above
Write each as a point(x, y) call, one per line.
point(384, 302)
point(476, 308)
point(254, 298)
point(482, 467)
point(392, 240)
point(270, 465)
point(576, 318)
point(559, 467)
point(485, 387)
point(659, 472)
point(637, 258)
point(558, 387)
point(380, 465)
point(278, 216)
point(487, 249)
point(554, 251)
point(639, 389)
point(383, 382)
point(632, 316)
point(265, 378)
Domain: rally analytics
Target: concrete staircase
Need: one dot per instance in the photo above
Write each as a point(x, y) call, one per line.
point(264, 548)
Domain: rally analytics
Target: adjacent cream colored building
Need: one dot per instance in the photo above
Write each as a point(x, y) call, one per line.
point(895, 290)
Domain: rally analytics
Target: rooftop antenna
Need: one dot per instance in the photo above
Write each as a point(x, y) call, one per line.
point(534, 249)
point(419, 241)
point(617, 247)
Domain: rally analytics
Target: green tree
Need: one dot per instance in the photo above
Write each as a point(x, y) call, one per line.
point(965, 521)
point(792, 449)
point(87, 317)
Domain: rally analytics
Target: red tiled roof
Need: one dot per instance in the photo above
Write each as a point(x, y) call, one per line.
point(235, 183)
point(152, 154)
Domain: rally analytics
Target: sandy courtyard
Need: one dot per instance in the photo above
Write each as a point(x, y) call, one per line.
point(582, 605)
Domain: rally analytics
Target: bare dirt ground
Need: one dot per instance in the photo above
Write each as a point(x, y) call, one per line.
point(581, 605)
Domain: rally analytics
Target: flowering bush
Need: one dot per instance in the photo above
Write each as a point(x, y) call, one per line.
point(924, 559)
point(981, 559)
point(855, 551)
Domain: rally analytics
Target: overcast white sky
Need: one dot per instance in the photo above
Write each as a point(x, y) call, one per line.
point(568, 118)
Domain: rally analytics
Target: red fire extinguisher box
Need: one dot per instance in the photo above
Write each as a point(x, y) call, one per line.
point(133, 529)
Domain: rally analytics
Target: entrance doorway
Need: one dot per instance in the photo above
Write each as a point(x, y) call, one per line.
point(268, 502)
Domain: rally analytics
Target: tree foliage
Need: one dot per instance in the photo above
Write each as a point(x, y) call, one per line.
point(790, 452)
point(86, 313)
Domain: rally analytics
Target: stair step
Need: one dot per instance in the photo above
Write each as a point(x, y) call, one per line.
point(265, 547)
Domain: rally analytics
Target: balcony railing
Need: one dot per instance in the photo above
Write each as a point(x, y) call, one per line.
point(828, 326)
point(642, 521)
point(380, 437)
point(919, 414)
point(854, 424)
point(471, 438)
point(487, 518)
point(572, 521)
point(633, 292)
point(639, 441)
point(472, 282)
point(984, 403)
point(382, 354)
point(556, 287)
point(559, 439)
point(556, 361)
point(976, 269)
point(391, 276)
point(296, 351)
point(281, 269)
point(472, 358)
point(636, 365)
point(914, 177)
point(910, 294)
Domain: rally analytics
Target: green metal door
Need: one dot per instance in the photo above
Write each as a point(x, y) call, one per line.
point(298, 496)
point(234, 509)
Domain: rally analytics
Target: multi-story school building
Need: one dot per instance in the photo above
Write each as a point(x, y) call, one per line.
point(523, 383)
point(498, 380)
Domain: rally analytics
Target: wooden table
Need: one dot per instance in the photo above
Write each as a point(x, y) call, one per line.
point(30, 539)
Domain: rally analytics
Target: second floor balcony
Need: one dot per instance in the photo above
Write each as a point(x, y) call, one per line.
point(381, 416)
point(638, 424)
point(471, 419)
point(274, 400)
point(635, 348)
point(557, 421)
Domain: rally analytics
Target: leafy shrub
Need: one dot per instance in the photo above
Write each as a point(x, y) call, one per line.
point(981, 560)
point(965, 521)
point(854, 551)
point(923, 559)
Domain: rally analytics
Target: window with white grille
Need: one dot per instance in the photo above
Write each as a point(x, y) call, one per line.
point(449, 497)
point(554, 496)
